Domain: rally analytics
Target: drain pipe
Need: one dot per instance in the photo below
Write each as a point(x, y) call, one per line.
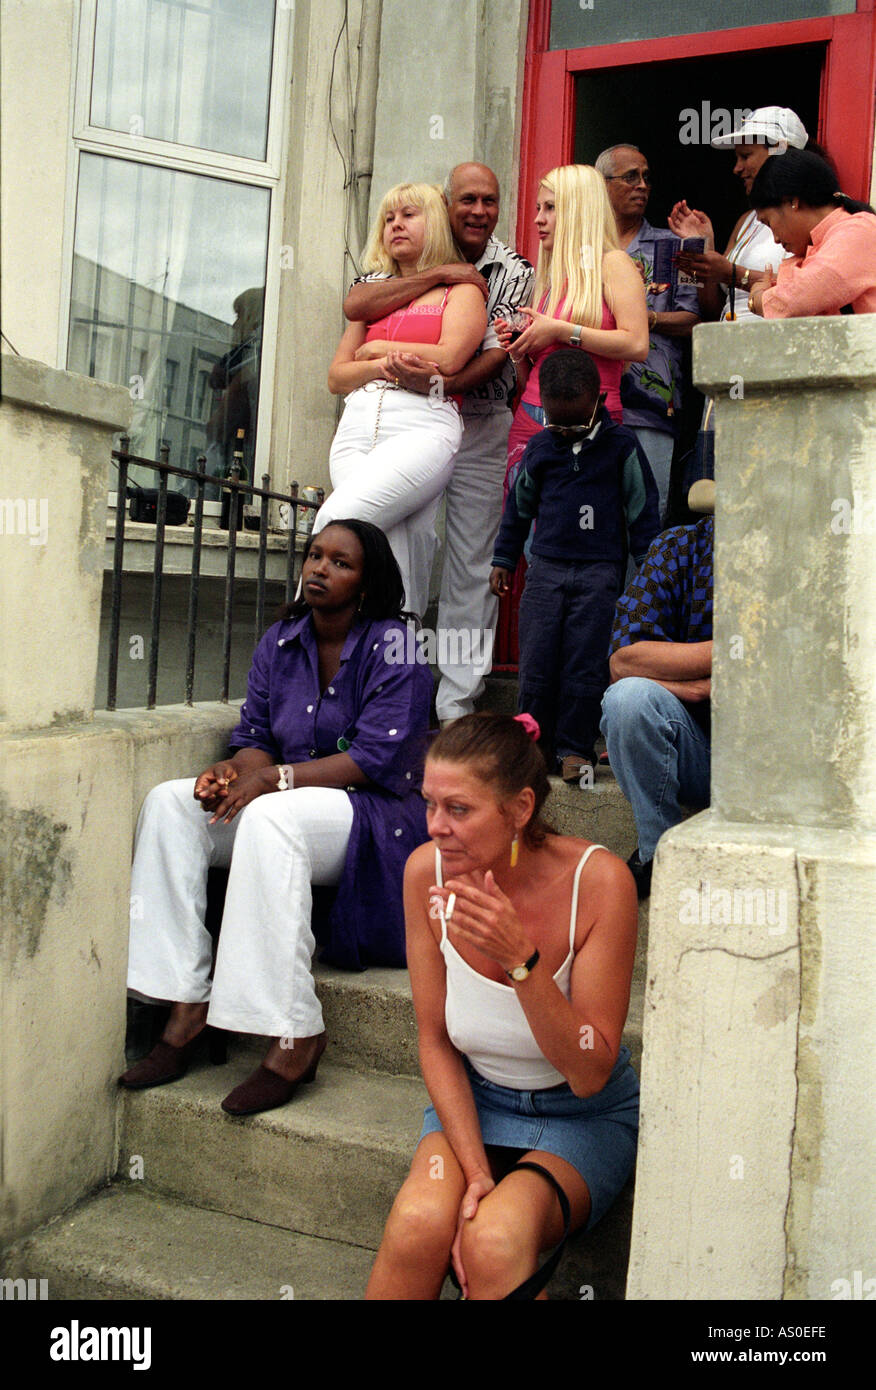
point(364, 116)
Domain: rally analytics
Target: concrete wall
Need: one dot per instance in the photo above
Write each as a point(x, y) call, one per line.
point(314, 273)
point(70, 788)
point(757, 1090)
point(450, 85)
point(36, 75)
point(56, 433)
point(69, 799)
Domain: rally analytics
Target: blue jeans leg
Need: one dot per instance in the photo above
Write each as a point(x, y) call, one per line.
point(658, 446)
point(591, 594)
point(659, 754)
point(540, 634)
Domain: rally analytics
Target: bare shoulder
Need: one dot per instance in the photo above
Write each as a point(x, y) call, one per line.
point(617, 265)
point(466, 297)
point(605, 879)
point(420, 867)
point(602, 861)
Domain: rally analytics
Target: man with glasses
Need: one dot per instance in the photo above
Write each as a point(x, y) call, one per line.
point(650, 390)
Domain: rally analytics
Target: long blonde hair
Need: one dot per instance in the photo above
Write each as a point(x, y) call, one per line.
point(439, 247)
point(584, 230)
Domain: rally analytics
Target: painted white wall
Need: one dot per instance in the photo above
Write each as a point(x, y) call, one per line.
point(36, 75)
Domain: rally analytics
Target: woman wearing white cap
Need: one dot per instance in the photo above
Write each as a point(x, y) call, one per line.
point(767, 131)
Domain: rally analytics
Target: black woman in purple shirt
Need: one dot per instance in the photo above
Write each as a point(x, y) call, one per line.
point(334, 721)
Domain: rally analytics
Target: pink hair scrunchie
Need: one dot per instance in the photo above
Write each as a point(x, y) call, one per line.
point(530, 725)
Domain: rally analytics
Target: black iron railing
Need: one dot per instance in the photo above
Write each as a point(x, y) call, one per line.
point(239, 489)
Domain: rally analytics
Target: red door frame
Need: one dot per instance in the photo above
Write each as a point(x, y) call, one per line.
point(847, 106)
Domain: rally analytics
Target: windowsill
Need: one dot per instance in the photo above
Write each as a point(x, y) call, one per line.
point(139, 552)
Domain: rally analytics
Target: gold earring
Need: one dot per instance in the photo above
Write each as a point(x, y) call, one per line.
point(515, 848)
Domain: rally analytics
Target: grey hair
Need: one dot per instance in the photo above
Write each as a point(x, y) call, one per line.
point(604, 161)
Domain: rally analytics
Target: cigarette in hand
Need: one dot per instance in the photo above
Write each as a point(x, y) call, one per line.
point(451, 904)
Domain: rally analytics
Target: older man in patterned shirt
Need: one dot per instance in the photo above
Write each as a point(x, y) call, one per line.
point(656, 712)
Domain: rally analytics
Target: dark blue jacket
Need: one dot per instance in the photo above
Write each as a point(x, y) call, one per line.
point(587, 498)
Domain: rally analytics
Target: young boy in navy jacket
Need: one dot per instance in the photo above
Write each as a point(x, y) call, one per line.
point(587, 484)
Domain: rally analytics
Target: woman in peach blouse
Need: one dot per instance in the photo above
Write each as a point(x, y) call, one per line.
point(832, 238)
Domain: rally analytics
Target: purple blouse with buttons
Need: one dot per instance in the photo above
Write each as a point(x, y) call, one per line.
point(376, 710)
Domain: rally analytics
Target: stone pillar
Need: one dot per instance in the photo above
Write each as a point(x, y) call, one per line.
point(757, 1093)
point(56, 431)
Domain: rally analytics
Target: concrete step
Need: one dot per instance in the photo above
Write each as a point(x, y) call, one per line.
point(600, 813)
point(128, 1242)
point(327, 1166)
point(328, 1163)
point(500, 694)
point(369, 1019)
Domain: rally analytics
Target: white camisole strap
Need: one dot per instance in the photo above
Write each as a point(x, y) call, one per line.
point(574, 918)
point(439, 879)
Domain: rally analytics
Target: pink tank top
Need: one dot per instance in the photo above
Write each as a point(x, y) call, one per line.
point(610, 368)
point(415, 323)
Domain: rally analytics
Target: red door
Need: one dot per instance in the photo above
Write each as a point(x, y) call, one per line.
point(837, 53)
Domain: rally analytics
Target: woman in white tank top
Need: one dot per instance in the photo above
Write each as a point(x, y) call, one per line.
point(520, 948)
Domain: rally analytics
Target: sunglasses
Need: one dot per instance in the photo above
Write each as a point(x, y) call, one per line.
point(578, 431)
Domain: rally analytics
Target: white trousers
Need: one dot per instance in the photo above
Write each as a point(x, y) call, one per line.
point(397, 482)
point(275, 849)
point(473, 511)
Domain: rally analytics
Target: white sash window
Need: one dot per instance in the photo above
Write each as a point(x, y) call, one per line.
point(173, 273)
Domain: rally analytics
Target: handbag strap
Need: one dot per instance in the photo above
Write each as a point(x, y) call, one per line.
point(537, 1281)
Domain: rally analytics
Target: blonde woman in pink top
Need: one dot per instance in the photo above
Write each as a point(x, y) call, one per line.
point(831, 237)
point(394, 449)
point(588, 294)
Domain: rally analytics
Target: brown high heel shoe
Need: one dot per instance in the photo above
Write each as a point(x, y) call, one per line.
point(168, 1063)
point(265, 1089)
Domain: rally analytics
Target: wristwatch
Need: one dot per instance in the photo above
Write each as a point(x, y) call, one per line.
point(577, 330)
point(746, 279)
point(520, 972)
point(652, 319)
point(286, 780)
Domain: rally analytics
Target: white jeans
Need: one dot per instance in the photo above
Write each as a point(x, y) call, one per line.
point(282, 843)
point(397, 482)
point(473, 511)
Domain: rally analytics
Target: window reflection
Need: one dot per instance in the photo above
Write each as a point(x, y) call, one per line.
point(167, 300)
point(193, 72)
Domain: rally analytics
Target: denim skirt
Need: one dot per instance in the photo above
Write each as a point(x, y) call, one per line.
point(596, 1134)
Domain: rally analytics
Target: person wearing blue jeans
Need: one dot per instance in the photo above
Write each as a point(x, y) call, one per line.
point(656, 712)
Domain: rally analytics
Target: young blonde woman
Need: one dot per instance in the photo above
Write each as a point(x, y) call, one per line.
point(393, 453)
point(588, 294)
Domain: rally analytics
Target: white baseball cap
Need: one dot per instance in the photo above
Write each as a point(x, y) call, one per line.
point(768, 124)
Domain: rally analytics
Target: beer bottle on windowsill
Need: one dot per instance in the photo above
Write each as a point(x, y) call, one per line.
point(237, 470)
